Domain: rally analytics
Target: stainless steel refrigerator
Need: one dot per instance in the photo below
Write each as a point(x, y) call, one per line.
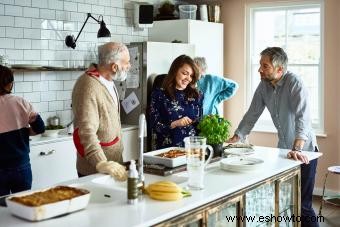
point(148, 59)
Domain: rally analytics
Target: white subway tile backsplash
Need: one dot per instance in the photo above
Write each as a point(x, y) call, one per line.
point(2, 9)
point(105, 2)
point(6, 43)
point(55, 85)
point(32, 76)
point(70, 6)
point(31, 12)
point(65, 116)
point(47, 14)
point(34, 31)
point(40, 3)
point(15, 54)
point(23, 2)
point(121, 12)
point(30, 33)
point(40, 44)
point(117, 3)
point(40, 86)
point(48, 76)
point(22, 22)
point(23, 86)
point(67, 104)
point(56, 4)
point(32, 96)
point(64, 95)
point(12, 32)
point(37, 23)
point(55, 105)
point(13, 10)
point(32, 54)
point(40, 107)
point(10, 2)
point(7, 20)
point(68, 85)
point(85, 8)
point(97, 9)
point(49, 96)
point(18, 76)
point(23, 44)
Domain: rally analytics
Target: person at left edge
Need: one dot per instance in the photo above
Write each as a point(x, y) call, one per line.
point(95, 104)
point(18, 121)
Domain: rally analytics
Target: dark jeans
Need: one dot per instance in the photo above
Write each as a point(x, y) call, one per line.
point(308, 217)
point(16, 179)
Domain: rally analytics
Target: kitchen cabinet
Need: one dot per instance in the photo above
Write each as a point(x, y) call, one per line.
point(275, 197)
point(206, 36)
point(53, 163)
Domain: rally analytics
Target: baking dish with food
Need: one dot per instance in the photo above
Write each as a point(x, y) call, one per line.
point(170, 157)
point(43, 204)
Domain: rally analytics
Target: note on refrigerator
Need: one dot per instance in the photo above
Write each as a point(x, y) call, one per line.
point(132, 81)
point(130, 103)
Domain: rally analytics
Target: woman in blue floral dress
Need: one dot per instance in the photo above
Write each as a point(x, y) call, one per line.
point(176, 107)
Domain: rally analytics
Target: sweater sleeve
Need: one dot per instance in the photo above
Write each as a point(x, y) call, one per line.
point(158, 122)
point(85, 106)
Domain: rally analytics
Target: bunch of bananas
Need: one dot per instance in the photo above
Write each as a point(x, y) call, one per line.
point(166, 191)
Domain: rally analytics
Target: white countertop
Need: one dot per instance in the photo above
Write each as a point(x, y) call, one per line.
point(62, 136)
point(218, 183)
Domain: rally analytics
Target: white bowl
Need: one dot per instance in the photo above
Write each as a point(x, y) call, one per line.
point(51, 133)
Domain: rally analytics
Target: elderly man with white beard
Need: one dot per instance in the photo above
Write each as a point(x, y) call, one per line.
point(95, 104)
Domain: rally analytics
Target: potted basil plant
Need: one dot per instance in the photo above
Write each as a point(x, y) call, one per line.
point(216, 130)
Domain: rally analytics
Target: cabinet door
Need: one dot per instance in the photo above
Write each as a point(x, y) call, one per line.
point(225, 213)
point(53, 163)
point(260, 202)
point(288, 197)
point(131, 145)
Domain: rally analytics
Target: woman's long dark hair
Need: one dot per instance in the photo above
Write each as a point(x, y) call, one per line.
point(6, 77)
point(169, 83)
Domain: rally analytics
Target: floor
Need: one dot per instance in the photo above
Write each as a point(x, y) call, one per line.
point(330, 213)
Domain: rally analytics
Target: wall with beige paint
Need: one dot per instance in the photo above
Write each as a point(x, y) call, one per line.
point(233, 17)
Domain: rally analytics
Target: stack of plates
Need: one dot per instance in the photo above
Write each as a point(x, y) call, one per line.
point(241, 164)
point(239, 151)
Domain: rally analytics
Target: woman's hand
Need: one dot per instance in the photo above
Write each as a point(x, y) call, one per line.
point(181, 122)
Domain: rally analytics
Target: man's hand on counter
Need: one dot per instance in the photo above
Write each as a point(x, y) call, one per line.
point(112, 168)
point(297, 155)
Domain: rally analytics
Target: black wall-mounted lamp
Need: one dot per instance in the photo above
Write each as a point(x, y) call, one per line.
point(102, 32)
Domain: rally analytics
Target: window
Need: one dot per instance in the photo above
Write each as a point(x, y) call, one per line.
point(297, 29)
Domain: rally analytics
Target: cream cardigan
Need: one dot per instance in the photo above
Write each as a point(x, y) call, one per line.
point(97, 134)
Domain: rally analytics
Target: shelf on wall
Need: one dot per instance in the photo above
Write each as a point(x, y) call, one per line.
point(37, 69)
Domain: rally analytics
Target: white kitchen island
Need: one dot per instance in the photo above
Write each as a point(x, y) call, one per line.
point(220, 185)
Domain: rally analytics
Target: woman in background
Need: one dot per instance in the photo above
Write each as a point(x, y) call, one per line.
point(17, 121)
point(216, 89)
point(176, 107)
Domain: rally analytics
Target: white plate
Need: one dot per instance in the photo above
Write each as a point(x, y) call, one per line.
point(240, 164)
point(239, 151)
point(152, 158)
point(25, 66)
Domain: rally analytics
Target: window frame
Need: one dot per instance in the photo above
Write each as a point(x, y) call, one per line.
point(263, 125)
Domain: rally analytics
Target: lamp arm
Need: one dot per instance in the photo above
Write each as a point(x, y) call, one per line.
point(88, 16)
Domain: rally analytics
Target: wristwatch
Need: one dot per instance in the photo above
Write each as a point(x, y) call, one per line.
point(297, 148)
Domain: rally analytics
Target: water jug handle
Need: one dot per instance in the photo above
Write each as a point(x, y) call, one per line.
point(211, 154)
